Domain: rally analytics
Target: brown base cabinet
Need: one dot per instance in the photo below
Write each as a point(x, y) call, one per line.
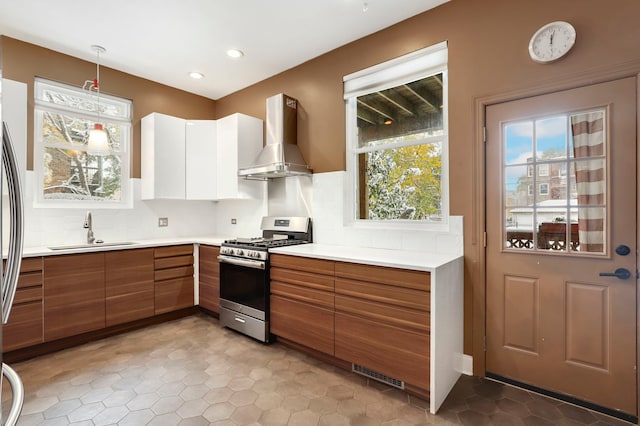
point(209, 278)
point(129, 282)
point(25, 321)
point(302, 301)
point(376, 317)
point(173, 278)
point(74, 294)
point(382, 320)
point(62, 296)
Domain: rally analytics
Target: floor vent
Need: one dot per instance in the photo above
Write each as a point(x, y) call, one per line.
point(377, 376)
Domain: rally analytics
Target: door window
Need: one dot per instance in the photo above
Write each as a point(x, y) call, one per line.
point(564, 157)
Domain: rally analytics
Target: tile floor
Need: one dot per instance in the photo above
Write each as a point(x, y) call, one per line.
point(193, 372)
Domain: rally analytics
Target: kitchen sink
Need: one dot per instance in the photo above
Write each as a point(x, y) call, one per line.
point(90, 246)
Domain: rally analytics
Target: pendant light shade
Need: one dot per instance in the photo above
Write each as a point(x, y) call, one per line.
point(98, 140)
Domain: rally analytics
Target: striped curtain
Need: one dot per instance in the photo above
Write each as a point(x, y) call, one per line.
point(589, 152)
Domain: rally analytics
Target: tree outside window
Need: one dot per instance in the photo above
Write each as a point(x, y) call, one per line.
point(397, 137)
point(70, 174)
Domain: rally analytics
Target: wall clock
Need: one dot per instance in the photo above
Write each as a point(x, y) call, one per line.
point(552, 41)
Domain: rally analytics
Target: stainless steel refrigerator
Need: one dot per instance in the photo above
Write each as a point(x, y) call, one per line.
point(10, 270)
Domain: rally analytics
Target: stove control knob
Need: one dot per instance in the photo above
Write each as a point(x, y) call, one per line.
point(240, 253)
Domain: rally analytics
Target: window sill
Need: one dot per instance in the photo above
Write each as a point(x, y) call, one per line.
point(399, 225)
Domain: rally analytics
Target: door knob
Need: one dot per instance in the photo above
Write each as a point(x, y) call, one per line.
point(620, 273)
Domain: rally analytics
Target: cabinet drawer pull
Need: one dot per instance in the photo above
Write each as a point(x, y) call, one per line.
point(239, 320)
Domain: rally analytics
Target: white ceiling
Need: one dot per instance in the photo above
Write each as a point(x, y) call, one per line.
point(163, 40)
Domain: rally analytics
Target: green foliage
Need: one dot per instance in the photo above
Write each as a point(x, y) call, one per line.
point(404, 183)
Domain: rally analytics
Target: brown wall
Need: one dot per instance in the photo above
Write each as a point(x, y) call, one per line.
point(488, 57)
point(23, 62)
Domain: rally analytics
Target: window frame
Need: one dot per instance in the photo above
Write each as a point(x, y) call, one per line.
point(123, 152)
point(414, 66)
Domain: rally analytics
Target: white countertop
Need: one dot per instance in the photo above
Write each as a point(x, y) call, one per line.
point(419, 261)
point(45, 251)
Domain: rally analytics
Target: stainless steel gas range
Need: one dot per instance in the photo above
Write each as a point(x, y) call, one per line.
point(244, 273)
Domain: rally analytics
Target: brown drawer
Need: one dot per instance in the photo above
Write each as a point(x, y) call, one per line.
point(389, 350)
point(171, 295)
point(173, 251)
point(27, 295)
point(31, 264)
point(308, 295)
point(172, 262)
point(383, 293)
point(24, 327)
point(30, 279)
point(389, 314)
point(317, 266)
point(167, 274)
point(418, 280)
point(30, 272)
point(304, 279)
point(302, 323)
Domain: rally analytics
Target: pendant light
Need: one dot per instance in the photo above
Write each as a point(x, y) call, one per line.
point(98, 142)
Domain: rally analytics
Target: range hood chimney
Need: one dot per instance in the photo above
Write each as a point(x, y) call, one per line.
point(281, 156)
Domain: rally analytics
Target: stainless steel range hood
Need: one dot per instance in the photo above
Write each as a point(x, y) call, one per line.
point(281, 156)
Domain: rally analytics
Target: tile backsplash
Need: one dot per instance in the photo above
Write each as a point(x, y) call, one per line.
point(329, 227)
point(61, 226)
point(322, 196)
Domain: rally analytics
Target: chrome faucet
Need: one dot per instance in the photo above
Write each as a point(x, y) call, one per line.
point(88, 225)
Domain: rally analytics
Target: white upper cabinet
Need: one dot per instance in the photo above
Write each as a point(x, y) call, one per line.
point(199, 159)
point(239, 143)
point(163, 163)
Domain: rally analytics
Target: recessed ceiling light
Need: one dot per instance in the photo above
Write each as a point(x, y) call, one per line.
point(196, 75)
point(235, 53)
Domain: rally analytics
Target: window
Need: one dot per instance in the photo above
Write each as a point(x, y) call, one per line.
point(543, 170)
point(397, 140)
point(569, 212)
point(68, 174)
point(543, 189)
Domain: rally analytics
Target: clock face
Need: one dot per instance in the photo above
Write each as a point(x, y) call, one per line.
point(552, 41)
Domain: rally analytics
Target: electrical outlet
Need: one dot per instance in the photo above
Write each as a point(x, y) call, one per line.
point(233, 221)
point(163, 221)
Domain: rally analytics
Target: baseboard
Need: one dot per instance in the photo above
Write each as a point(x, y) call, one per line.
point(467, 365)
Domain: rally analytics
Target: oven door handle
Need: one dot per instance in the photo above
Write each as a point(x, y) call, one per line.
point(255, 264)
